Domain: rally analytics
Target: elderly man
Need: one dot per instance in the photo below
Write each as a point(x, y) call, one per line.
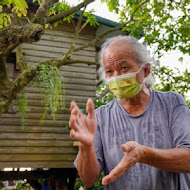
point(141, 140)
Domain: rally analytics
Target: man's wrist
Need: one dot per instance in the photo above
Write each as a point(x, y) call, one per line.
point(86, 148)
point(146, 155)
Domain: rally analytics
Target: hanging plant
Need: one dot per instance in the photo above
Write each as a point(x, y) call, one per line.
point(53, 89)
point(23, 106)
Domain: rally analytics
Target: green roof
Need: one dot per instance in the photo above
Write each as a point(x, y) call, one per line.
point(102, 20)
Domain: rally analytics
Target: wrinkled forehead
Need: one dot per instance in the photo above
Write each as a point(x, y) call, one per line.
point(119, 49)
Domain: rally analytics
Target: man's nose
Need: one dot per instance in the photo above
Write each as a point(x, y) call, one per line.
point(116, 73)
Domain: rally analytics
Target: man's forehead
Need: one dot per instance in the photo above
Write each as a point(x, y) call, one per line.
point(119, 46)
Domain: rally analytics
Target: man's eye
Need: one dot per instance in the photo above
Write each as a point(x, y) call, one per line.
point(108, 71)
point(123, 68)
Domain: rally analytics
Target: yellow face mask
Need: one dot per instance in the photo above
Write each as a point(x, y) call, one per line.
point(124, 86)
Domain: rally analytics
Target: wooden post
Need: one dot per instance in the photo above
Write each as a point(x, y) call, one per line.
point(61, 184)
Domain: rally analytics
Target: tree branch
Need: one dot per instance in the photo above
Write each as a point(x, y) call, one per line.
point(72, 46)
point(14, 35)
point(140, 5)
point(68, 12)
point(101, 36)
point(42, 12)
point(9, 49)
point(65, 61)
point(27, 75)
point(98, 38)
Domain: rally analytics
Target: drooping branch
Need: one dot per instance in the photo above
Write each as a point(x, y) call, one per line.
point(27, 75)
point(99, 37)
point(68, 12)
point(42, 12)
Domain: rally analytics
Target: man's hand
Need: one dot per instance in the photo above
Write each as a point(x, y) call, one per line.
point(83, 126)
point(133, 153)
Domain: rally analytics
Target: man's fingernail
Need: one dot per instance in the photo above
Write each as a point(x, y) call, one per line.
point(104, 183)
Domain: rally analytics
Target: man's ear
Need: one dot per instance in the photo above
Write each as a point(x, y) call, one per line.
point(147, 69)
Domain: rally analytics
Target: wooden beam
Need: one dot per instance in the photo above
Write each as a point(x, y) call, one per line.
point(21, 175)
point(38, 174)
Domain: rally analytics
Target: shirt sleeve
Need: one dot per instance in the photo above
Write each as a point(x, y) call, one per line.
point(180, 127)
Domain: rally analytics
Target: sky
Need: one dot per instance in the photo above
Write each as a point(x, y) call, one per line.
point(169, 58)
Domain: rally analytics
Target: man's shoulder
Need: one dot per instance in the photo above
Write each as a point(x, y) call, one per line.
point(105, 108)
point(170, 97)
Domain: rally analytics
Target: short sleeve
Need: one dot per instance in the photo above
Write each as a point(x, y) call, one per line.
point(180, 127)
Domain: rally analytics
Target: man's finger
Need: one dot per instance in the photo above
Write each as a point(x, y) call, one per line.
point(74, 135)
point(90, 108)
point(124, 165)
point(127, 147)
point(114, 174)
point(72, 105)
point(72, 121)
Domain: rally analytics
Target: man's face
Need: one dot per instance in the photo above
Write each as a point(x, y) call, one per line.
point(118, 59)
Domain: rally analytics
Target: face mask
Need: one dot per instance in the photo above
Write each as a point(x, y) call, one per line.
point(124, 86)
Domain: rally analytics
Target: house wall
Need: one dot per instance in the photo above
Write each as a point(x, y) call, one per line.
point(48, 145)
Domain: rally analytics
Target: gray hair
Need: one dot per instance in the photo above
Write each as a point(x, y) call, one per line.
point(142, 55)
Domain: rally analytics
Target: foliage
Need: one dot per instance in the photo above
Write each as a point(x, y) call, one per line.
point(78, 184)
point(18, 7)
point(172, 80)
point(97, 186)
point(53, 88)
point(91, 19)
point(104, 95)
point(164, 23)
point(38, 1)
point(41, 181)
point(21, 186)
point(23, 106)
point(58, 8)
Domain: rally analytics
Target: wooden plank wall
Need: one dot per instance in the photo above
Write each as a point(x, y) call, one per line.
point(48, 145)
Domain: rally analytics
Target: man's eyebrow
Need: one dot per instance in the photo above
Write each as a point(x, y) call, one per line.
point(107, 67)
point(123, 62)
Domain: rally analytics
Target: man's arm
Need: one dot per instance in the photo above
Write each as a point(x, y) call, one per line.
point(83, 130)
point(173, 160)
point(87, 165)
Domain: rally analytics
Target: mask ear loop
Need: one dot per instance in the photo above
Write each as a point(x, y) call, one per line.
point(143, 79)
point(140, 68)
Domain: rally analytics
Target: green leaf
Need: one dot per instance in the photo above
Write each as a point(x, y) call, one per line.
point(5, 2)
point(20, 3)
